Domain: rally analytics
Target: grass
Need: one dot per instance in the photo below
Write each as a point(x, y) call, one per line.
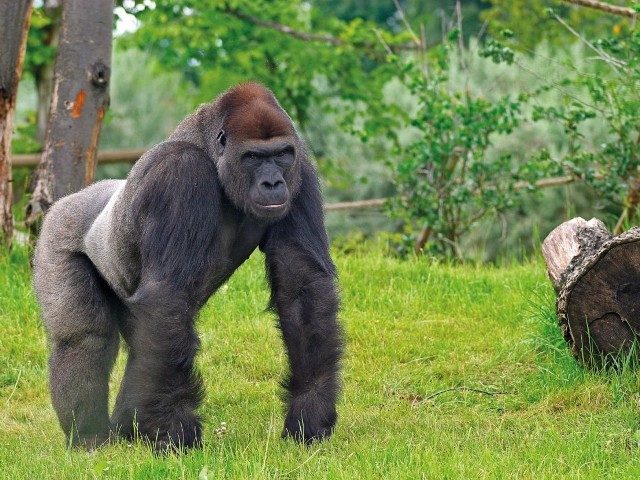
point(451, 372)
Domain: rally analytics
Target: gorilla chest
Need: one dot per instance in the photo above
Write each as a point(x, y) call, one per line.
point(238, 237)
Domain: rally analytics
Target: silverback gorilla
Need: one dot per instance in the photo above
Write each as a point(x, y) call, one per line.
point(139, 257)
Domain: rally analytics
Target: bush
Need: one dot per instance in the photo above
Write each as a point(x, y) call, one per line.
point(448, 179)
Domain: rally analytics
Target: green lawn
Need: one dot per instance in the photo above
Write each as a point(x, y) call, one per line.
point(519, 406)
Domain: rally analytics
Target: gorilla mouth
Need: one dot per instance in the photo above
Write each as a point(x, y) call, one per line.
point(269, 210)
point(269, 203)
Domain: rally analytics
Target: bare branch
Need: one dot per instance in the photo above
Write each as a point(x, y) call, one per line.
point(605, 7)
point(283, 28)
point(421, 241)
point(464, 389)
point(407, 25)
point(547, 182)
point(382, 42)
point(613, 62)
point(304, 35)
point(355, 205)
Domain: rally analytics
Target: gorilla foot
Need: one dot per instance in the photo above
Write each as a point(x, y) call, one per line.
point(306, 435)
point(175, 434)
point(169, 446)
point(174, 442)
point(309, 419)
point(163, 433)
point(92, 442)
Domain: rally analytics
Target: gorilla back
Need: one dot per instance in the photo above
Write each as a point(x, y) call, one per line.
point(137, 259)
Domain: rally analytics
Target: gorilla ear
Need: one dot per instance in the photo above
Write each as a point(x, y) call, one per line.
point(222, 141)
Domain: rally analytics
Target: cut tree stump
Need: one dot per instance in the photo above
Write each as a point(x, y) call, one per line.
point(597, 278)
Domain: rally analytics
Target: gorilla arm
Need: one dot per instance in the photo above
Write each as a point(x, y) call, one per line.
point(174, 199)
point(303, 283)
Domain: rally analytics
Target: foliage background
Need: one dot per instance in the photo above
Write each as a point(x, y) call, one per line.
point(358, 77)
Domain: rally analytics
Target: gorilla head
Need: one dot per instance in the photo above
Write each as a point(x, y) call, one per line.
point(257, 150)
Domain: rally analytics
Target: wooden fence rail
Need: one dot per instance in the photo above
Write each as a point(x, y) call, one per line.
point(104, 156)
point(131, 155)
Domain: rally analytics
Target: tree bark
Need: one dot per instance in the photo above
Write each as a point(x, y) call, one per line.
point(14, 28)
point(597, 278)
point(78, 103)
point(564, 248)
point(43, 73)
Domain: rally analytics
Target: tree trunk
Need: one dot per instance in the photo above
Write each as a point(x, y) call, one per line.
point(44, 86)
point(14, 27)
point(597, 278)
point(43, 73)
point(78, 104)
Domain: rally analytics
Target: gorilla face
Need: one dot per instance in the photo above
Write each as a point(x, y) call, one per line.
point(257, 151)
point(269, 195)
point(260, 176)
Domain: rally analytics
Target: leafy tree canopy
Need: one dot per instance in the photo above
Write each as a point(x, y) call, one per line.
point(266, 41)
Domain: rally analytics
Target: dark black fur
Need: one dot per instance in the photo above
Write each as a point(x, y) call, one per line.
point(139, 259)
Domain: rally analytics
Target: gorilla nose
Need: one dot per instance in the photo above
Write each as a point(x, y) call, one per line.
point(272, 191)
point(270, 185)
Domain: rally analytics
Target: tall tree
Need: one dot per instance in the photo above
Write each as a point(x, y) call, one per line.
point(39, 60)
point(14, 27)
point(78, 103)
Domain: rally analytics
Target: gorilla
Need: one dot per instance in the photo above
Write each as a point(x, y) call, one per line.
point(138, 258)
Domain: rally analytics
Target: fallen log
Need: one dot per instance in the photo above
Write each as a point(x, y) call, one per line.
point(597, 278)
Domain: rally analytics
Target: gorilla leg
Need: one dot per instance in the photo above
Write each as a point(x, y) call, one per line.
point(77, 309)
point(160, 389)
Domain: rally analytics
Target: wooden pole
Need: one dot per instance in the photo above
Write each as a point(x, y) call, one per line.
point(14, 28)
point(78, 104)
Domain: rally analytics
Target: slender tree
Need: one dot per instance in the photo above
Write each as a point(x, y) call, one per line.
point(78, 103)
point(14, 27)
point(44, 38)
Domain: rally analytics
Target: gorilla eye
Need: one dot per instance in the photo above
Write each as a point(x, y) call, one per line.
point(222, 138)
